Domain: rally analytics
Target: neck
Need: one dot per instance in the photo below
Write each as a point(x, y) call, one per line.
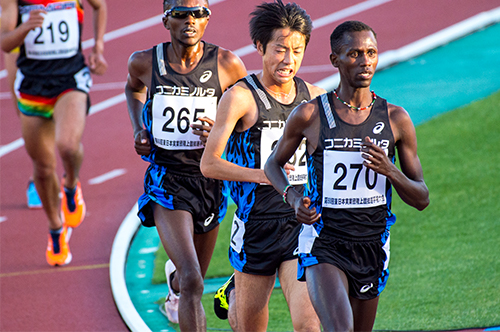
point(355, 99)
point(185, 56)
point(281, 91)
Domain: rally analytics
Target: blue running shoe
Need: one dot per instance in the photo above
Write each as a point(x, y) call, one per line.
point(33, 200)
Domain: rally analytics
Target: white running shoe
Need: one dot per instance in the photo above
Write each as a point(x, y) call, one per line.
point(172, 300)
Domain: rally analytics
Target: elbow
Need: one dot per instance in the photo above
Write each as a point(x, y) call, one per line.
point(423, 204)
point(205, 168)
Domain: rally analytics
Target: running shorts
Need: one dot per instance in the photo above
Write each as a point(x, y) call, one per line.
point(260, 245)
point(364, 262)
point(193, 193)
point(36, 96)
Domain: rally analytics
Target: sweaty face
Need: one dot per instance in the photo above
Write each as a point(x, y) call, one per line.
point(358, 58)
point(283, 56)
point(187, 31)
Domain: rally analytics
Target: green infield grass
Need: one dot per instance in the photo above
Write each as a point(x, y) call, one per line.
point(444, 269)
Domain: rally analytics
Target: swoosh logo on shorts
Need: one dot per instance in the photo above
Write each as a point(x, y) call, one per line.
point(366, 288)
point(208, 220)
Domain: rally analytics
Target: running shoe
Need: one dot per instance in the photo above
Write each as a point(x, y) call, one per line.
point(33, 200)
point(172, 301)
point(58, 253)
point(72, 205)
point(221, 303)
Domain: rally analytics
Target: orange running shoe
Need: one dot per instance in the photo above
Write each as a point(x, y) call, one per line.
point(58, 253)
point(72, 205)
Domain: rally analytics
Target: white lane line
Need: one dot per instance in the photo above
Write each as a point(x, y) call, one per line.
point(426, 44)
point(108, 176)
point(2, 219)
point(122, 32)
point(325, 20)
point(5, 149)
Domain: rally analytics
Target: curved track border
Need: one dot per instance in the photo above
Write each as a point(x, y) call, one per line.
point(131, 223)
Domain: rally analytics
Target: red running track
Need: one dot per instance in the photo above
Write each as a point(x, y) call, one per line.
point(37, 297)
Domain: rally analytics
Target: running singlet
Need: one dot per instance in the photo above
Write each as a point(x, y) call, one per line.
point(175, 102)
point(354, 201)
point(55, 48)
point(252, 147)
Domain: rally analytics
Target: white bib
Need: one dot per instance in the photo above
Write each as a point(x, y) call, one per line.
point(268, 141)
point(172, 117)
point(59, 36)
point(349, 184)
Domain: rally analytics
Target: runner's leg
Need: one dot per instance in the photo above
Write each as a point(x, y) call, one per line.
point(329, 294)
point(175, 228)
point(252, 300)
point(304, 317)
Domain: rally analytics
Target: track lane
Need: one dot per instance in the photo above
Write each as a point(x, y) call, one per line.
point(83, 296)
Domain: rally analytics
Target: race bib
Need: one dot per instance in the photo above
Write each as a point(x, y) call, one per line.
point(173, 116)
point(268, 141)
point(349, 184)
point(237, 233)
point(59, 36)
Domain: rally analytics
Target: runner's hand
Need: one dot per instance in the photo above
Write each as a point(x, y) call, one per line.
point(142, 144)
point(203, 130)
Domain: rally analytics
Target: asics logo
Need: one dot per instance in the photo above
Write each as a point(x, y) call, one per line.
point(378, 128)
point(208, 220)
point(207, 74)
point(366, 288)
point(296, 251)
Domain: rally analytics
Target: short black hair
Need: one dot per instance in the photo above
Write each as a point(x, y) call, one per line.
point(337, 36)
point(268, 17)
point(173, 3)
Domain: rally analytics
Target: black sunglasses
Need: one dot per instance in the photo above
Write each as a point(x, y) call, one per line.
point(183, 12)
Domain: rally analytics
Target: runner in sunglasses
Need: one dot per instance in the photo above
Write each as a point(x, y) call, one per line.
point(170, 89)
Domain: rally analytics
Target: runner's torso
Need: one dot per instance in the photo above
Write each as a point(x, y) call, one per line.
point(175, 102)
point(55, 48)
point(353, 200)
point(252, 147)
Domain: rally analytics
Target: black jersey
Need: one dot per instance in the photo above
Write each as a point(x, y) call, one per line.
point(354, 201)
point(175, 102)
point(55, 48)
point(252, 147)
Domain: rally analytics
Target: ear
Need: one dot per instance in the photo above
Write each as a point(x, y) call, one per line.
point(165, 22)
point(334, 59)
point(260, 48)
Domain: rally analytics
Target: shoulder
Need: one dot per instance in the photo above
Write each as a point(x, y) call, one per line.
point(140, 61)
point(230, 67)
point(306, 112)
point(228, 60)
point(314, 90)
point(401, 122)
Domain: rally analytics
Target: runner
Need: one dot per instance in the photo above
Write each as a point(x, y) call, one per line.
point(351, 139)
point(251, 119)
point(180, 83)
point(52, 86)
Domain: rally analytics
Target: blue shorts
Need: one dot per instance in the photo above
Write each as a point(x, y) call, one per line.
point(259, 245)
point(196, 194)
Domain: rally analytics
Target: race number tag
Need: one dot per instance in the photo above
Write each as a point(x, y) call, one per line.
point(59, 36)
point(237, 233)
point(349, 184)
point(268, 141)
point(173, 116)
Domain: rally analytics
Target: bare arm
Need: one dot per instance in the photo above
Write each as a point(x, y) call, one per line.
point(409, 182)
point(12, 36)
point(302, 122)
point(97, 62)
point(237, 104)
point(139, 67)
